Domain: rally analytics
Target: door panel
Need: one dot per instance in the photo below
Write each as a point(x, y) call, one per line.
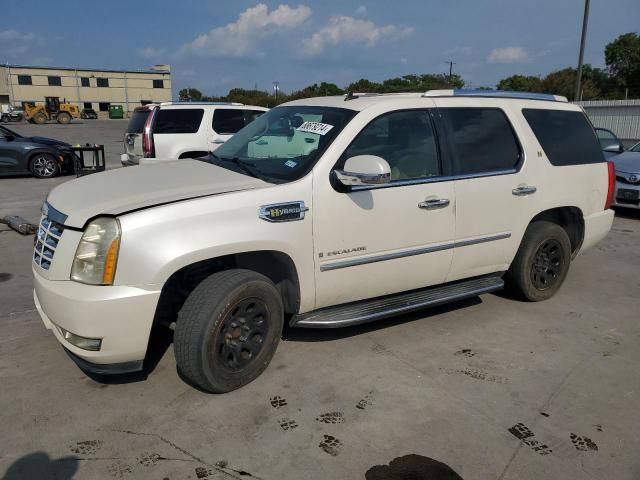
point(494, 201)
point(10, 154)
point(378, 241)
point(387, 228)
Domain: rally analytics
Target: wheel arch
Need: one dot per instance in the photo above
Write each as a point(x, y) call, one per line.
point(279, 267)
point(38, 151)
point(571, 219)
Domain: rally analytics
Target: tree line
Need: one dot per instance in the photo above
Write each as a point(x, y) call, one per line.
point(618, 80)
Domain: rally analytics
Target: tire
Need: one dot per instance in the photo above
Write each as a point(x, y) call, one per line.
point(542, 262)
point(39, 118)
point(228, 330)
point(4, 118)
point(44, 165)
point(64, 118)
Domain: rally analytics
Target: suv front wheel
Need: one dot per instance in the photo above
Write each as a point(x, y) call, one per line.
point(228, 330)
point(542, 262)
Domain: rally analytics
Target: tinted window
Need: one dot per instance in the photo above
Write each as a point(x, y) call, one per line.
point(54, 81)
point(606, 138)
point(102, 82)
point(251, 115)
point(84, 81)
point(567, 138)
point(404, 139)
point(481, 140)
point(24, 79)
point(186, 120)
point(137, 121)
point(227, 121)
point(158, 84)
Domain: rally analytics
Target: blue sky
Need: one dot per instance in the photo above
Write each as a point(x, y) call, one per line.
point(216, 45)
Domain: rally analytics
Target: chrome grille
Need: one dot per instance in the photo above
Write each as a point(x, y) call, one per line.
point(47, 238)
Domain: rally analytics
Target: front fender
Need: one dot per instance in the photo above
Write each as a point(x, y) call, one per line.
point(159, 241)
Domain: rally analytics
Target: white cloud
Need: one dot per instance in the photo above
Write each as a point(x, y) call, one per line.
point(243, 36)
point(15, 44)
point(151, 53)
point(349, 30)
point(361, 10)
point(508, 55)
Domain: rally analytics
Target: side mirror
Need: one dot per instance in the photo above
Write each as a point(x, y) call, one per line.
point(9, 138)
point(614, 148)
point(364, 170)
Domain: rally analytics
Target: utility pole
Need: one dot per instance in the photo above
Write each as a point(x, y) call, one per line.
point(276, 87)
point(585, 19)
point(451, 64)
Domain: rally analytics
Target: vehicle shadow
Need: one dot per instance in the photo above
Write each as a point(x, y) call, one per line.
point(38, 465)
point(293, 334)
point(160, 340)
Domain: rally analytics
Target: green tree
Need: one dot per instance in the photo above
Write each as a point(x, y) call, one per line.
point(190, 94)
point(563, 82)
point(622, 57)
point(520, 83)
point(364, 86)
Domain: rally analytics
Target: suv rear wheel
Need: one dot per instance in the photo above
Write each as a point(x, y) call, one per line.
point(542, 262)
point(228, 330)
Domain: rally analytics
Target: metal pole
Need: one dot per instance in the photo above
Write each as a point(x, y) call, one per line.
point(585, 20)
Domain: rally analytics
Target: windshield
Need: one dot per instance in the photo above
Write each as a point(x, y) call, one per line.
point(283, 144)
point(636, 148)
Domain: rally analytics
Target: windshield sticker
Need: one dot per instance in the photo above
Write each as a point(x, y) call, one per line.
point(290, 163)
point(315, 127)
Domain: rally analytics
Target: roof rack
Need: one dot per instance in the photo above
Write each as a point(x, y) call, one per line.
point(202, 103)
point(354, 95)
point(494, 94)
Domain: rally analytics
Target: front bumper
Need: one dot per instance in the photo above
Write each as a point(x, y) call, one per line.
point(118, 315)
point(618, 199)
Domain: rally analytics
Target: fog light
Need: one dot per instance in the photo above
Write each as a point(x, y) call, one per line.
point(81, 342)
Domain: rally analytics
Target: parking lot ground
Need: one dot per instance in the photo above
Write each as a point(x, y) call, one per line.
point(492, 388)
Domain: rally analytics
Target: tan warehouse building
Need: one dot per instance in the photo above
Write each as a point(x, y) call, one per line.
point(97, 89)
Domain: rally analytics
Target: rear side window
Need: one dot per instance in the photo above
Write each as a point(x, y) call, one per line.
point(227, 121)
point(566, 137)
point(481, 139)
point(137, 121)
point(186, 120)
point(251, 115)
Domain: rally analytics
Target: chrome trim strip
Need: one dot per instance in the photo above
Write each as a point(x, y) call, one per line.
point(352, 262)
point(449, 178)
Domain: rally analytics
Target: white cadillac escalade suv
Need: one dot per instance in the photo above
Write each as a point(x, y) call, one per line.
point(324, 212)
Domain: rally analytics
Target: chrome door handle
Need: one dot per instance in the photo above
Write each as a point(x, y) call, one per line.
point(523, 190)
point(434, 204)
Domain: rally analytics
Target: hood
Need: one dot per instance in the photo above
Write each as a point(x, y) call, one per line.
point(627, 162)
point(117, 191)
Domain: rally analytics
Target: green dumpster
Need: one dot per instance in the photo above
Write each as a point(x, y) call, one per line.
point(116, 111)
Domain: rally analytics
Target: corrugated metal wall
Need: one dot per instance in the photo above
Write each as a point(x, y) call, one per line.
point(622, 117)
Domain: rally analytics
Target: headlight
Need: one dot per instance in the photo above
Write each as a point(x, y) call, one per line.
point(97, 253)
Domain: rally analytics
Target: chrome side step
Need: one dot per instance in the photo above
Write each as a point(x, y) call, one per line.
point(369, 310)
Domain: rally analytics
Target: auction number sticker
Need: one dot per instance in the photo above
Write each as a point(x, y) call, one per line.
point(315, 127)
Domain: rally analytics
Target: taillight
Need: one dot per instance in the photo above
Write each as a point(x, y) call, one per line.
point(148, 147)
point(612, 184)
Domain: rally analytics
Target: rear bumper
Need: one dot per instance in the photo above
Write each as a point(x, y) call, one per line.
point(596, 227)
point(128, 161)
point(121, 317)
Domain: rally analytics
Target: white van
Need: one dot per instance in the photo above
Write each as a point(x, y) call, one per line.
point(183, 130)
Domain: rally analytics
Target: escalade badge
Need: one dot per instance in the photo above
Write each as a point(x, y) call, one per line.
point(283, 212)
